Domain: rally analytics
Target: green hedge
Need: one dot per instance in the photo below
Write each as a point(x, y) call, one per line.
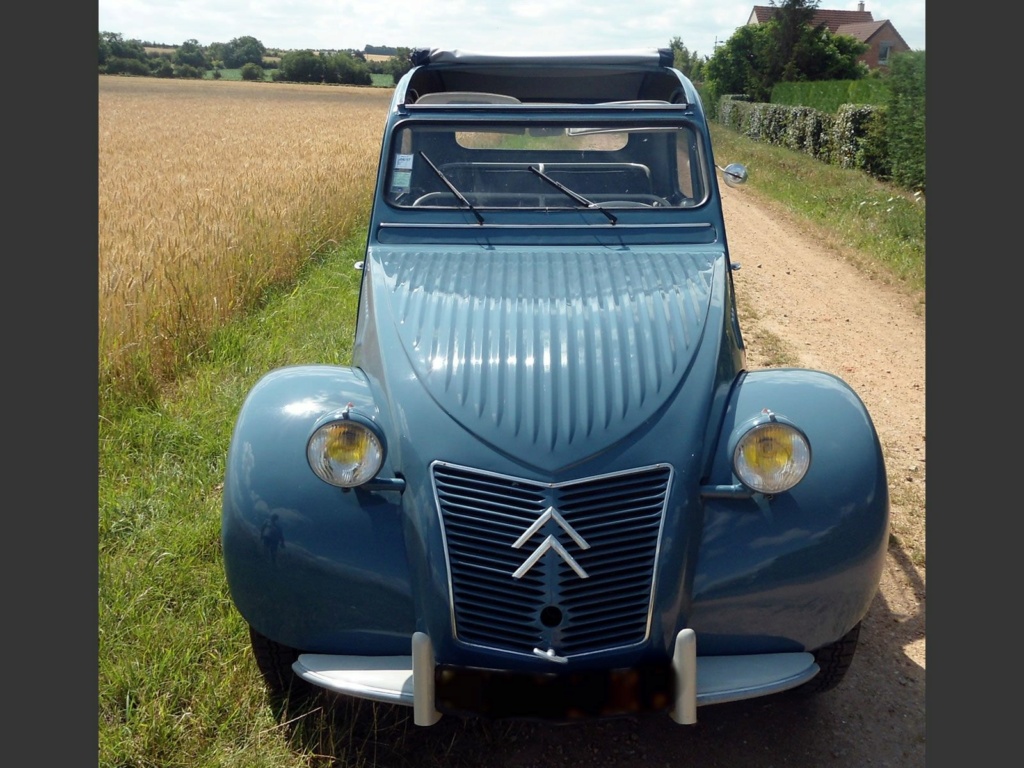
point(905, 129)
point(829, 95)
point(886, 140)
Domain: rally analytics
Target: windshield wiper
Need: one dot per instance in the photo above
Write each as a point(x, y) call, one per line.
point(573, 195)
point(461, 197)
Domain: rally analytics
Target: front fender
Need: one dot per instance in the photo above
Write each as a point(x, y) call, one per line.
point(310, 565)
point(797, 570)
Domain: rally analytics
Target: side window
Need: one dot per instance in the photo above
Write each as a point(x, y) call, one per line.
point(685, 166)
point(689, 167)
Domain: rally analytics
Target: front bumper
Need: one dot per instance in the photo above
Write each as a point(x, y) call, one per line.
point(688, 682)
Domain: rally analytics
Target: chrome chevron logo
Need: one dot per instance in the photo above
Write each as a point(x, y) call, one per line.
point(549, 514)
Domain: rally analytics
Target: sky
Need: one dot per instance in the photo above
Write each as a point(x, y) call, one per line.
point(470, 25)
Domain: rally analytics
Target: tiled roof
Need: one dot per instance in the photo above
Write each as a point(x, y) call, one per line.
point(835, 19)
point(831, 19)
point(862, 31)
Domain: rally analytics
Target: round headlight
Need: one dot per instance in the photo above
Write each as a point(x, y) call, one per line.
point(346, 452)
point(771, 457)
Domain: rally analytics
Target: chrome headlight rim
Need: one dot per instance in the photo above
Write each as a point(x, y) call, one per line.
point(362, 437)
point(797, 462)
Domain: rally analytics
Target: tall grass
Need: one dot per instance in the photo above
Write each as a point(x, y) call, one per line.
point(209, 193)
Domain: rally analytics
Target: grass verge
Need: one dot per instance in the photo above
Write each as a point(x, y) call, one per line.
point(177, 683)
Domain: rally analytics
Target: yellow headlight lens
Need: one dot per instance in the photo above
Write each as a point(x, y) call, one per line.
point(772, 457)
point(345, 453)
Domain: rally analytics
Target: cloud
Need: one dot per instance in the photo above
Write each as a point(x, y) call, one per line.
point(486, 25)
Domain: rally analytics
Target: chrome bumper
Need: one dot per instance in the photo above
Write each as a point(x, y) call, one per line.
point(409, 680)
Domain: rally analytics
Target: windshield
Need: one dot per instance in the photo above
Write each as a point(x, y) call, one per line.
point(548, 165)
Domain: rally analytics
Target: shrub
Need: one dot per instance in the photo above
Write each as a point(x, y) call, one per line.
point(188, 72)
point(117, 66)
point(813, 132)
point(163, 68)
point(848, 133)
point(830, 95)
point(769, 123)
point(863, 137)
point(252, 71)
point(735, 112)
point(906, 124)
point(873, 155)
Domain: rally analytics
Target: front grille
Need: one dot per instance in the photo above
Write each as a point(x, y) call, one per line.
point(551, 607)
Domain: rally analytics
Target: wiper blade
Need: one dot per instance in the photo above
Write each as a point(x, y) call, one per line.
point(461, 197)
point(573, 195)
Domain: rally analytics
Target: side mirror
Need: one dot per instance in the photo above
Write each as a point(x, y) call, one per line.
point(734, 174)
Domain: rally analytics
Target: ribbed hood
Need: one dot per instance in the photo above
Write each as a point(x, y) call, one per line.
point(545, 351)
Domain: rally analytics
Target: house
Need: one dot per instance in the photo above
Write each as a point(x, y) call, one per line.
point(881, 36)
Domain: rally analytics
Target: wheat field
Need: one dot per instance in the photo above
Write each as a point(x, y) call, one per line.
point(209, 193)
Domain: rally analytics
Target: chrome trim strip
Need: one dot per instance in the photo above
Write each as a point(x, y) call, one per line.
point(611, 106)
point(486, 225)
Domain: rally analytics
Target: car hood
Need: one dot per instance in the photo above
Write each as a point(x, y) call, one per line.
point(540, 352)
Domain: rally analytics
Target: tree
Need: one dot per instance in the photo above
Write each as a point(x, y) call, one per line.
point(216, 52)
point(113, 45)
point(788, 27)
point(343, 67)
point(690, 64)
point(784, 49)
point(301, 67)
point(243, 50)
point(820, 55)
point(190, 53)
point(732, 67)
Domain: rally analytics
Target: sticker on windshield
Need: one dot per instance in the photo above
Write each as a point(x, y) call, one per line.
point(401, 181)
point(401, 174)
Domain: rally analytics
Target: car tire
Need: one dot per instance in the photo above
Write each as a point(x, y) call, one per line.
point(834, 660)
point(274, 661)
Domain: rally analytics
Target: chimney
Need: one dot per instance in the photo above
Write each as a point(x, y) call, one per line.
point(860, 6)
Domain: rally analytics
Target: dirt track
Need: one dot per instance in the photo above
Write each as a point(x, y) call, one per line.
point(832, 318)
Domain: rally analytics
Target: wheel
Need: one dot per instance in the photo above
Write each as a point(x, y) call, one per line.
point(275, 664)
point(834, 660)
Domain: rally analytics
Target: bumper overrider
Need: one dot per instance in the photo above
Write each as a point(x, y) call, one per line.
point(679, 687)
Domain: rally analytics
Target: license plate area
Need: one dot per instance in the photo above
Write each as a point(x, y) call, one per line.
point(554, 696)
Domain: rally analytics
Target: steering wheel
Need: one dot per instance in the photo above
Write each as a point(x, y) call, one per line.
point(657, 202)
